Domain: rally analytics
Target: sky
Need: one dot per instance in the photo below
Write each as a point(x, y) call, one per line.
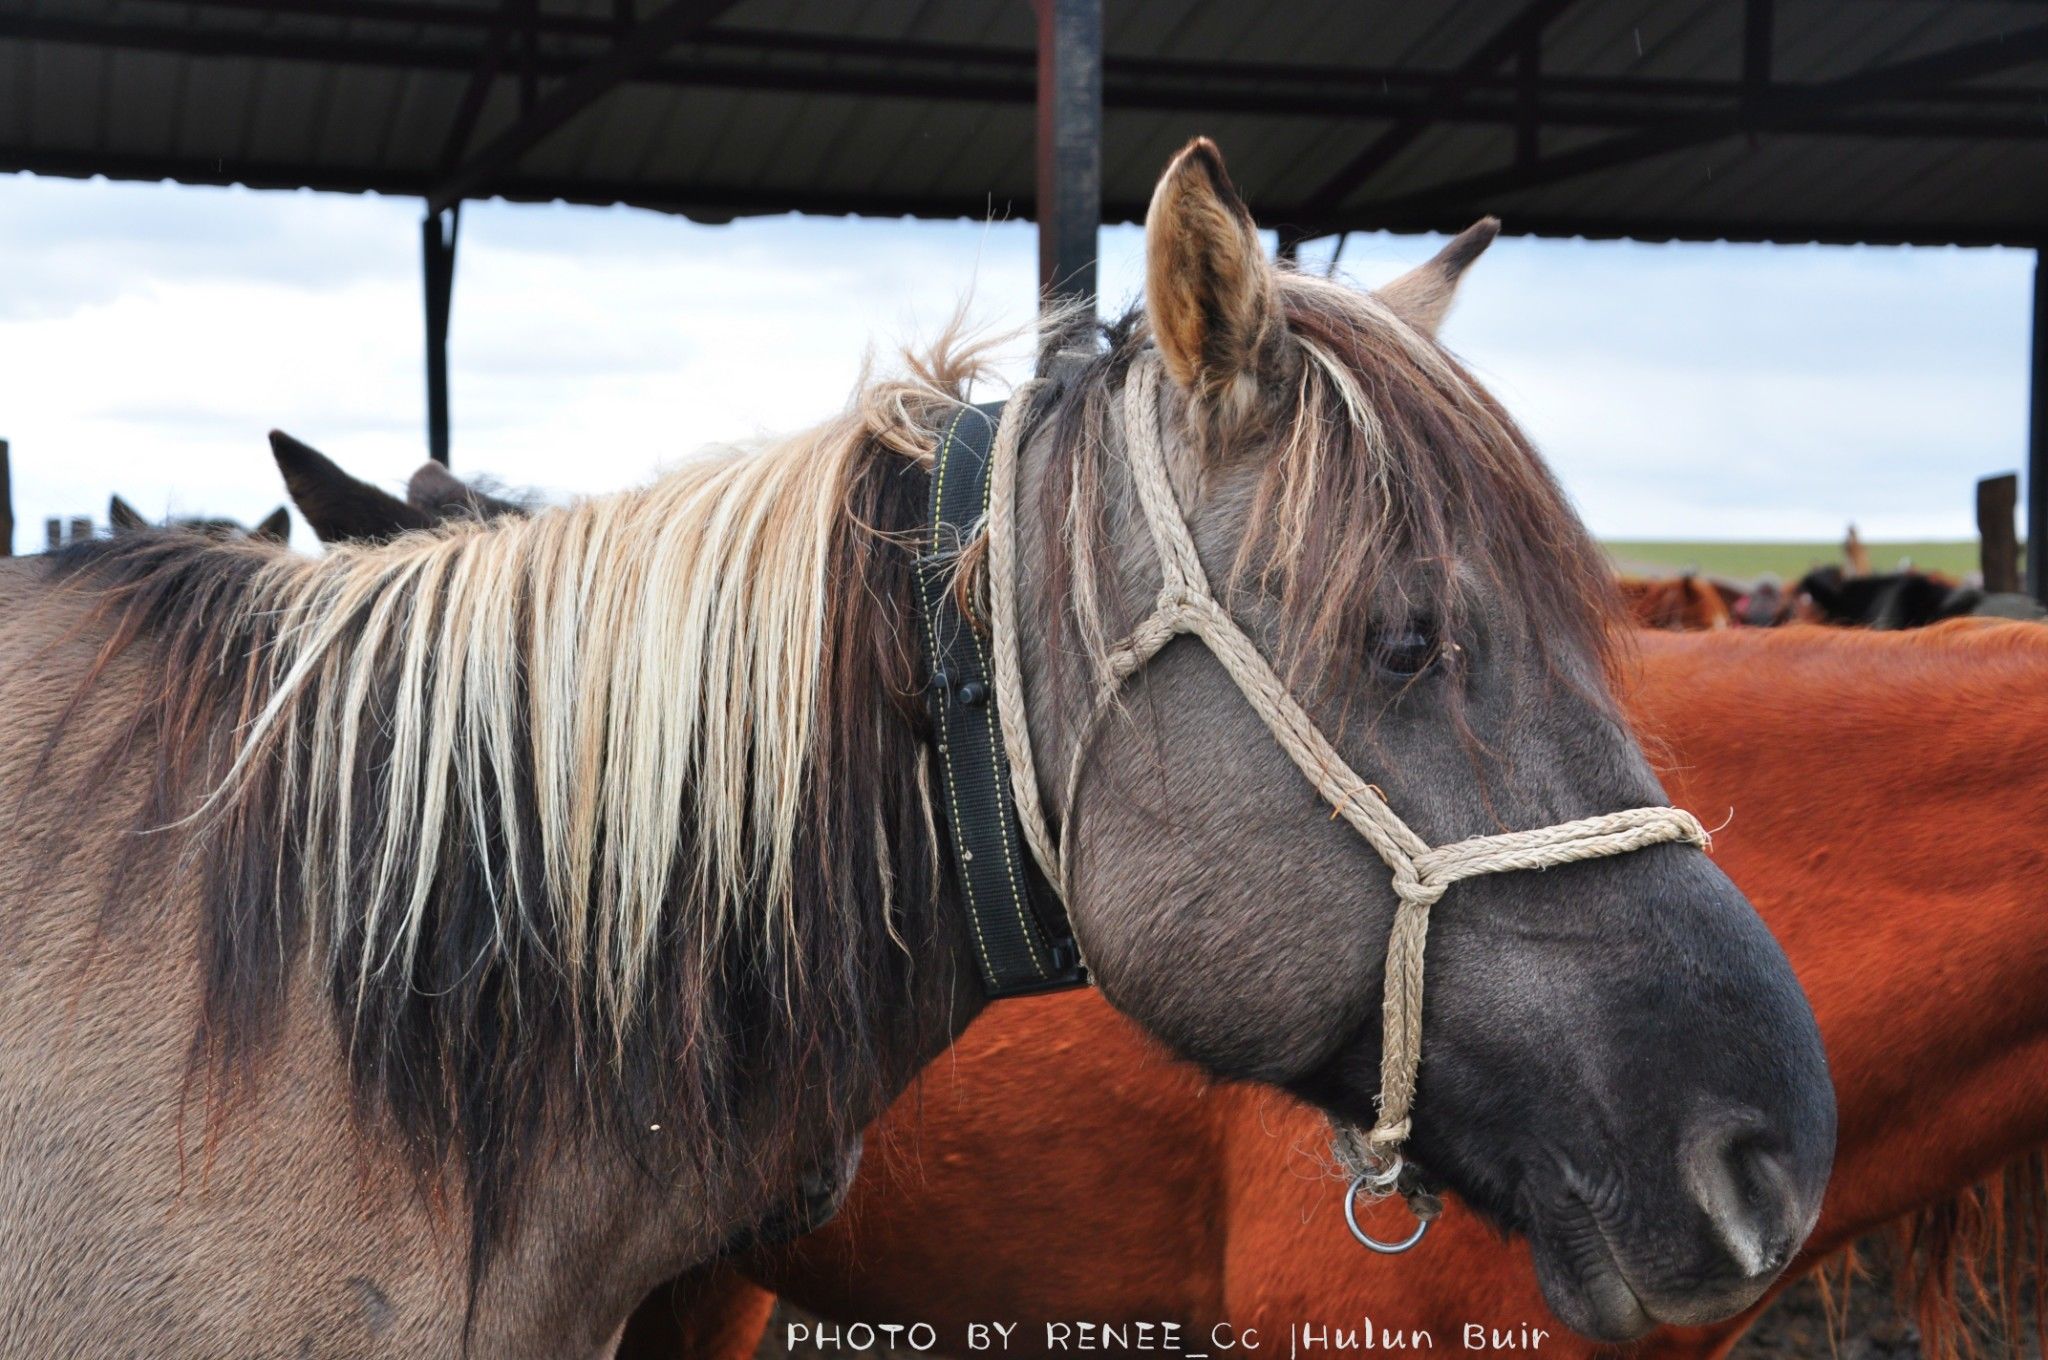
point(151, 334)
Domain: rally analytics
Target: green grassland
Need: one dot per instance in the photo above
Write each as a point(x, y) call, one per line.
point(1787, 561)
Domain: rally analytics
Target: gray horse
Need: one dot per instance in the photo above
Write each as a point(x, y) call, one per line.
point(434, 945)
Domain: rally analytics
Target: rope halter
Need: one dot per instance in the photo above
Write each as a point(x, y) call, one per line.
point(1421, 872)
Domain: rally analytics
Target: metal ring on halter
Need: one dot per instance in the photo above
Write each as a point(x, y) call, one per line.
point(1378, 1182)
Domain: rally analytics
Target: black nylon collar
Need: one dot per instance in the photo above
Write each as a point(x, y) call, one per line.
point(1023, 941)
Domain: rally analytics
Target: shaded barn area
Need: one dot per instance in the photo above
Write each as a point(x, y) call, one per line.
point(1881, 121)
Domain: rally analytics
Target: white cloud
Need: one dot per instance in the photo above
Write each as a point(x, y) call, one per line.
point(150, 335)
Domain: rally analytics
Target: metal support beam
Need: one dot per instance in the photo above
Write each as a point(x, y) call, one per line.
point(1528, 99)
point(1757, 24)
point(1337, 255)
point(2036, 548)
point(529, 56)
point(1901, 79)
point(740, 59)
point(1514, 38)
point(1069, 146)
point(437, 255)
point(462, 128)
point(6, 504)
point(640, 47)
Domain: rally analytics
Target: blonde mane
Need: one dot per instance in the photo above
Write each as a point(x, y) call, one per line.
point(609, 812)
point(670, 639)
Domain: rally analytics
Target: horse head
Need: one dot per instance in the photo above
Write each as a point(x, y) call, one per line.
point(1617, 1059)
point(346, 509)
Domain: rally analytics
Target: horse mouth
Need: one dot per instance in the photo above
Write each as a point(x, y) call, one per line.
point(1584, 1283)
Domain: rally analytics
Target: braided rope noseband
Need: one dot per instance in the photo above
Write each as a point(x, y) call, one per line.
point(1421, 872)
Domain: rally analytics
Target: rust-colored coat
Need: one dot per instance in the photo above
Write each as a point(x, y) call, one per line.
point(1889, 807)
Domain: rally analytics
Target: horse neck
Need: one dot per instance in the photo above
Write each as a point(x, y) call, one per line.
point(1887, 808)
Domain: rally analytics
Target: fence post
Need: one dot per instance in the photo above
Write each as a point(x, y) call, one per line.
point(6, 505)
point(1998, 540)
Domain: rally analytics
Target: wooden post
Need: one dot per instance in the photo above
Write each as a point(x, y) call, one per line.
point(1069, 146)
point(437, 258)
point(6, 504)
point(2037, 443)
point(1998, 548)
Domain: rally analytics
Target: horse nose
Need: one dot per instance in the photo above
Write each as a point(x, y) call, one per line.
point(1743, 1182)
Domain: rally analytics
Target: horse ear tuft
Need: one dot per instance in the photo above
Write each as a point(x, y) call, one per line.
point(1422, 296)
point(1208, 287)
point(122, 517)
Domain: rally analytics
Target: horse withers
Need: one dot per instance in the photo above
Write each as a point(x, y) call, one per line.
point(436, 944)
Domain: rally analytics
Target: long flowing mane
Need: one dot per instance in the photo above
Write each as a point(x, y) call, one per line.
point(613, 817)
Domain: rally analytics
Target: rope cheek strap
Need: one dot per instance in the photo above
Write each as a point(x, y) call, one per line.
point(1421, 873)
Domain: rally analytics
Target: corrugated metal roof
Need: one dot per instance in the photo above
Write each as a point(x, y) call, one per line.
point(1883, 120)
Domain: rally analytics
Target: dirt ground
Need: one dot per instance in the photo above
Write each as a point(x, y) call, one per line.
point(1797, 1326)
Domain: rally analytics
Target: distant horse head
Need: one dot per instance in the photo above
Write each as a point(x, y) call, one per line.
point(340, 508)
point(275, 527)
point(435, 489)
point(1618, 1061)
point(346, 509)
point(1684, 603)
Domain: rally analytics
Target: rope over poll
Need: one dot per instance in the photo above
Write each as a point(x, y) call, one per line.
point(1421, 872)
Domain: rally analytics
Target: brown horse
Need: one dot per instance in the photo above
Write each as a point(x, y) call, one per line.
point(1887, 806)
point(1679, 604)
point(436, 944)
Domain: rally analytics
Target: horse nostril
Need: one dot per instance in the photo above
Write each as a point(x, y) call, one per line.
point(1746, 1190)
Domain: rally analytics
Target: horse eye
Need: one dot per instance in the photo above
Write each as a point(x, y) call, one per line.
point(1407, 651)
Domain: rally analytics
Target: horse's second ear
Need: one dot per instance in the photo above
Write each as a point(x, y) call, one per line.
point(276, 526)
point(123, 517)
point(1423, 295)
point(1208, 288)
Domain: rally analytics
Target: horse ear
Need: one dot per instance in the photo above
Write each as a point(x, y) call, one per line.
point(123, 517)
point(1208, 288)
point(1423, 295)
point(337, 506)
point(276, 526)
point(444, 495)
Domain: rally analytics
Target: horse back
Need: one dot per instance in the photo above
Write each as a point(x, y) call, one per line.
point(139, 1201)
